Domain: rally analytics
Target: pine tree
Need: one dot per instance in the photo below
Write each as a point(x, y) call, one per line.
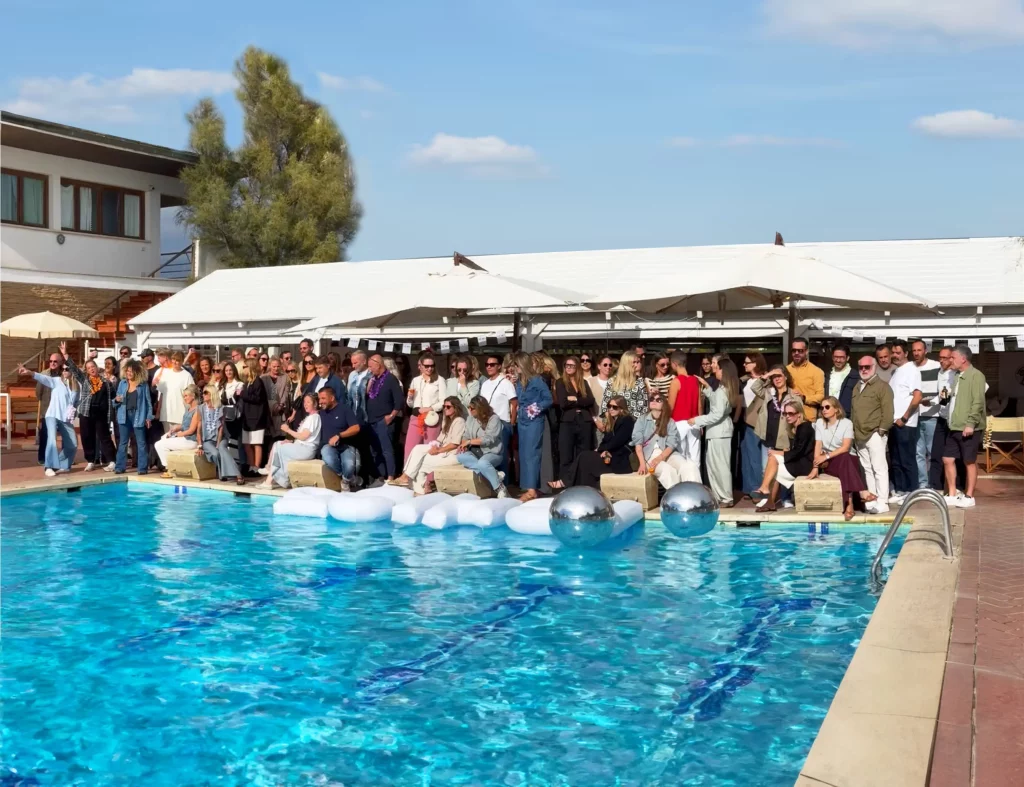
point(287, 195)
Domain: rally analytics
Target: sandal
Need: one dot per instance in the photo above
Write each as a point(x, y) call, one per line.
point(165, 474)
point(526, 497)
point(757, 495)
point(556, 485)
point(240, 481)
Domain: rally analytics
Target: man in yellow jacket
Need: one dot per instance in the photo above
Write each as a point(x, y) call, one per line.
point(808, 379)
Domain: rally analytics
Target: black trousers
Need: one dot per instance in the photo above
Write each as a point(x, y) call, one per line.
point(96, 441)
point(382, 441)
point(587, 469)
point(936, 471)
point(574, 437)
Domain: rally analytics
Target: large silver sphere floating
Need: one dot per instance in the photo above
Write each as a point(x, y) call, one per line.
point(689, 509)
point(582, 517)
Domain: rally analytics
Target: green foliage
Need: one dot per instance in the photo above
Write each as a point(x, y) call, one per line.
point(287, 195)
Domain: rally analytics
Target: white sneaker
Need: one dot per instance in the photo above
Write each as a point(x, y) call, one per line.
point(952, 501)
point(501, 475)
point(264, 471)
point(502, 492)
point(963, 501)
point(109, 468)
point(876, 507)
point(896, 499)
point(90, 467)
point(787, 504)
point(49, 472)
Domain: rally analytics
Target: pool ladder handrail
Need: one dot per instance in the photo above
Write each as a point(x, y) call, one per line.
point(918, 494)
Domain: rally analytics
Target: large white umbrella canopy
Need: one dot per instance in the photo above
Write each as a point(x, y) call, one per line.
point(46, 325)
point(432, 296)
point(760, 276)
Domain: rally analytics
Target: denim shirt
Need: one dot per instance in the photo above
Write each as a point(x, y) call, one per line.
point(644, 435)
point(144, 411)
point(535, 391)
point(61, 397)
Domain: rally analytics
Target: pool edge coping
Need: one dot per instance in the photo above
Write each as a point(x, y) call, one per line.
point(880, 727)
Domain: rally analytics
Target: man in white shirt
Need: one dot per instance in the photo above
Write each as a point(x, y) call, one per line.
point(928, 412)
point(501, 395)
point(946, 377)
point(906, 396)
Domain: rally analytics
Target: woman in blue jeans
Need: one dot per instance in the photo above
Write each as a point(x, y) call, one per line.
point(134, 414)
point(59, 420)
point(534, 398)
point(481, 448)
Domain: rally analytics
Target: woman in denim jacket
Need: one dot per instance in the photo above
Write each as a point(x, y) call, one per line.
point(534, 398)
point(134, 413)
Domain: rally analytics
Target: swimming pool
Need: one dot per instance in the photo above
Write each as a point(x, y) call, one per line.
point(161, 639)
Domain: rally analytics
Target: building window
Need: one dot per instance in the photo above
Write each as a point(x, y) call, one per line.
point(23, 198)
point(104, 210)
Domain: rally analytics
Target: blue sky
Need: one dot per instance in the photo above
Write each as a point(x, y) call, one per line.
point(491, 127)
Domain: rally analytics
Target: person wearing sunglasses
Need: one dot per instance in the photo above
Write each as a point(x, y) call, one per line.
point(785, 466)
point(598, 382)
point(657, 444)
point(533, 397)
point(587, 365)
point(480, 450)
point(718, 428)
point(613, 452)
point(425, 458)
point(500, 394)
point(59, 415)
point(575, 403)
point(833, 439)
point(425, 400)
point(659, 376)
point(808, 379)
point(753, 453)
point(465, 384)
point(872, 420)
point(629, 382)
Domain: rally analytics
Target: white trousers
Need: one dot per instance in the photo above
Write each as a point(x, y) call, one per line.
point(874, 461)
point(690, 437)
point(420, 464)
point(675, 469)
point(719, 469)
point(165, 445)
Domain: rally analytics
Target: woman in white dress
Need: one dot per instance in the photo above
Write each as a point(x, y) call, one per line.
point(425, 459)
point(304, 444)
point(184, 437)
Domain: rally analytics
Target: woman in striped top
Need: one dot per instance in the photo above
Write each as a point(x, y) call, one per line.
point(660, 376)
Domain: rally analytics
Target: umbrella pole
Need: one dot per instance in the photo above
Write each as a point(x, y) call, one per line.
point(792, 330)
point(39, 404)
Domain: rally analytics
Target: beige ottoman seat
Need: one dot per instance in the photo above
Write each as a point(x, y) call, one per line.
point(313, 472)
point(641, 488)
point(822, 495)
point(456, 480)
point(189, 464)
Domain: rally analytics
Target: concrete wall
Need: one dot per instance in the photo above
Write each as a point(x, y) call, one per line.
point(37, 248)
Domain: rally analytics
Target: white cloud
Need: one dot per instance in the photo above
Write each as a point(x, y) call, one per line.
point(873, 23)
point(364, 84)
point(489, 156)
point(755, 140)
point(969, 124)
point(87, 97)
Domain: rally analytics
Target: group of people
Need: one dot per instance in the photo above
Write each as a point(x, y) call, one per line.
point(519, 417)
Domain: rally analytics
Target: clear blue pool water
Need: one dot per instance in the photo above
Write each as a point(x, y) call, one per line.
point(158, 639)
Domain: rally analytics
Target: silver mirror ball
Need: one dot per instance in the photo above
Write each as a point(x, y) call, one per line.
point(689, 509)
point(582, 517)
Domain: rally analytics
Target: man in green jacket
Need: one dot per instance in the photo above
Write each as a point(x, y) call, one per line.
point(872, 419)
point(966, 426)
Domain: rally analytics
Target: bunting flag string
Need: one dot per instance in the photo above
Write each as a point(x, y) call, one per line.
point(445, 347)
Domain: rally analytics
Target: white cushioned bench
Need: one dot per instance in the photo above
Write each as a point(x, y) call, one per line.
point(189, 464)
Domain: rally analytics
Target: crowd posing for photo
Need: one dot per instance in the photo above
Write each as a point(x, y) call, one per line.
point(883, 425)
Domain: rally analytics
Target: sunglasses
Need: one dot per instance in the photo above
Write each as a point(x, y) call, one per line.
point(662, 364)
point(492, 363)
point(826, 407)
point(864, 366)
point(790, 414)
point(307, 363)
point(798, 349)
point(428, 366)
point(775, 377)
point(606, 364)
point(264, 358)
point(448, 407)
point(614, 407)
point(570, 366)
point(584, 360)
point(462, 370)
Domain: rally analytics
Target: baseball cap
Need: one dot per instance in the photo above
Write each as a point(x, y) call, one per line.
point(147, 353)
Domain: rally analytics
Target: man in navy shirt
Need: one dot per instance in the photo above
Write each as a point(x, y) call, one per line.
point(384, 403)
point(339, 431)
point(325, 378)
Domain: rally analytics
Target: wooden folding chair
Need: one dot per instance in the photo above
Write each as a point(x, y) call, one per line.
point(1006, 437)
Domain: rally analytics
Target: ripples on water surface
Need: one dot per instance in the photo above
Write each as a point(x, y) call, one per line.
point(161, 639)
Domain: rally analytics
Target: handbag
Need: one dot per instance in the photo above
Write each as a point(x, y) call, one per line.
point(230, 412)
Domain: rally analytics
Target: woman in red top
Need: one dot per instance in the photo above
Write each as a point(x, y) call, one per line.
point(686, 402)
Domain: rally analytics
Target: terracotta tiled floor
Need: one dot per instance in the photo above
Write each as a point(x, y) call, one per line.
point(980, 739)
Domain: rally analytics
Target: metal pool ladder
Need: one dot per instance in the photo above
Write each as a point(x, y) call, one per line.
point(918, 494)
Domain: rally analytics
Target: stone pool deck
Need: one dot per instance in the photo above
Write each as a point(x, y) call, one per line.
point(968, 671)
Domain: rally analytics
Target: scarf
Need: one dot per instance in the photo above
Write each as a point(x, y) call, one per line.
point(376, 383)
point(96, 383)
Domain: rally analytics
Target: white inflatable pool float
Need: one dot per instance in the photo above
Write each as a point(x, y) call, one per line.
point(411, 511)
point(447, 513)
point(487, 513)
point(306, 501)
point(367, 505)
point(531, 518)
